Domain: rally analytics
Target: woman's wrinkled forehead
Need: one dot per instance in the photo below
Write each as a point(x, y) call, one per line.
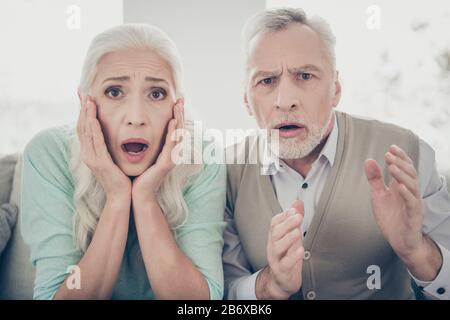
point(134, 64)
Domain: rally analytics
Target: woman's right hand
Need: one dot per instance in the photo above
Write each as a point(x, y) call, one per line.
point(95, 154)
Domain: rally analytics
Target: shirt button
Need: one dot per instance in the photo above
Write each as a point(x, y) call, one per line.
point(311, 295)
point(305, 185)
point(307, 255)
point(440, 290)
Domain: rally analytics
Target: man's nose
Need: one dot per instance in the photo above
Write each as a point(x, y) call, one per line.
point(287, 96)
point(135, 113)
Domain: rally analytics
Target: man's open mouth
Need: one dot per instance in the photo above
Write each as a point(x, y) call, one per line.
point(290, 129)
point(287, 126)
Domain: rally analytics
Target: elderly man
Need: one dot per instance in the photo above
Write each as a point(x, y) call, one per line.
point(350, 208)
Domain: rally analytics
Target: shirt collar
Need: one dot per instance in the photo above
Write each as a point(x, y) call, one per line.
point(273, 165)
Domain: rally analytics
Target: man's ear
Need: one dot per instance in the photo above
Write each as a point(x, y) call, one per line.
point(337, 90)
point(247, 106)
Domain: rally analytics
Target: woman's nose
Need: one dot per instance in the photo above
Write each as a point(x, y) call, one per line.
point(135, 114)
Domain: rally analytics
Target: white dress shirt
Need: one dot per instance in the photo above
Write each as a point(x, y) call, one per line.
point(289, 185)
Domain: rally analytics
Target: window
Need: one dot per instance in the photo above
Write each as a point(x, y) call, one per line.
point(394, 62)
point(43, 48)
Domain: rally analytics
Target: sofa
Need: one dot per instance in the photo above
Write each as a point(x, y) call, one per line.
point(16, 271)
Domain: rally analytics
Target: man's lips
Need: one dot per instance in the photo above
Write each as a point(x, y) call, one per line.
point(289, 129)
point(288, 125)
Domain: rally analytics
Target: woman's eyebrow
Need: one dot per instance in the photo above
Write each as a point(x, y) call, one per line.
point(153, 79)
point(122, 78)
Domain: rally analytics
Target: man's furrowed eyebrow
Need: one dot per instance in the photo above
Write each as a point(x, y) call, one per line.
point(265, 74)
point(305, 68)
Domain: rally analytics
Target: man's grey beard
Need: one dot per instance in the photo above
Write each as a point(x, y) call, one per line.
point(298, 148)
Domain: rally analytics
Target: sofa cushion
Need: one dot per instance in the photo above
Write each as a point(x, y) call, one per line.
point(7, 165)
point(8, 212)
point(15, 190)
point(16, 271)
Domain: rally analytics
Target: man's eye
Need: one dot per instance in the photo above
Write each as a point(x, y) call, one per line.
point(114, 92)
point(158, 94)
point(305, 76)
point(267, 81)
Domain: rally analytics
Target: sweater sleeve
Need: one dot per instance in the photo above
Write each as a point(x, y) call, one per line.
point(201, 237)
point(47, 210)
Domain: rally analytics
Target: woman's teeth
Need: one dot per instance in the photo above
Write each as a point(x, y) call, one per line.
point(134, 148)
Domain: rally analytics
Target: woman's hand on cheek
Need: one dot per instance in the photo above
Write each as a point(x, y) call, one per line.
point(147, 184)
point(96, 156)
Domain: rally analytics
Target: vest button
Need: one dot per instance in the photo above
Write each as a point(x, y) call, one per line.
point(440, 291)
point(311, 295)
point(305, 185)
point(307, 255)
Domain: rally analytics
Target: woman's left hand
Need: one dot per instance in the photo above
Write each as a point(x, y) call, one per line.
point(146, 185)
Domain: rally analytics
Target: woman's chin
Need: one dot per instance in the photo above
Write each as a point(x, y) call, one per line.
point(133, 170)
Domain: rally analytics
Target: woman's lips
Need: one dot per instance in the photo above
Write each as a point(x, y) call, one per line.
point(134, 150)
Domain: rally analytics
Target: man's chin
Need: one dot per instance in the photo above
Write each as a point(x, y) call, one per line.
point(295, 150)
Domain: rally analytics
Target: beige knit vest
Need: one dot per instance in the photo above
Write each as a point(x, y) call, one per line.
point(343, 239)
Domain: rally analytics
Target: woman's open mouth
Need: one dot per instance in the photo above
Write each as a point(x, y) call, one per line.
point(290, 129)
point(134, 149)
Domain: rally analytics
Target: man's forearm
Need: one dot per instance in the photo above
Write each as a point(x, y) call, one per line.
point(101, 262)
point(266, 288)
point(427, 262)
point(171, 273)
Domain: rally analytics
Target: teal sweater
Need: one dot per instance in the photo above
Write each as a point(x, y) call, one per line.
point(47, 211)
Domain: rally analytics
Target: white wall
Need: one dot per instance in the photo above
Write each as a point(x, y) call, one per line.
point(43, 45)
point(207, 33)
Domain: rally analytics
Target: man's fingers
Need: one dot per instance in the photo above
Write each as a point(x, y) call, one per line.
point(299, 207)
point(293, 256)
point(400, 153)
point(406, 166)
point(292, 222)
point(403, 178)
point(281, 246)
point(408, 197)
point(278, 218)
point(374, 175)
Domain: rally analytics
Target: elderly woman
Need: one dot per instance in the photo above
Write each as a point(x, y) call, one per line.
point(105, 210)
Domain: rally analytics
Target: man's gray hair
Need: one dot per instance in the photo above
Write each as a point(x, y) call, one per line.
point(273, 20)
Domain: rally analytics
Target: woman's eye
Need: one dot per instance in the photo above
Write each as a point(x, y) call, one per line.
point(305, 76)
point(114, 92)
point(158, 94)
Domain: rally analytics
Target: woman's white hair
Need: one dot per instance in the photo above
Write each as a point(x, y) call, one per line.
point(89, 196)
point(278, 19)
